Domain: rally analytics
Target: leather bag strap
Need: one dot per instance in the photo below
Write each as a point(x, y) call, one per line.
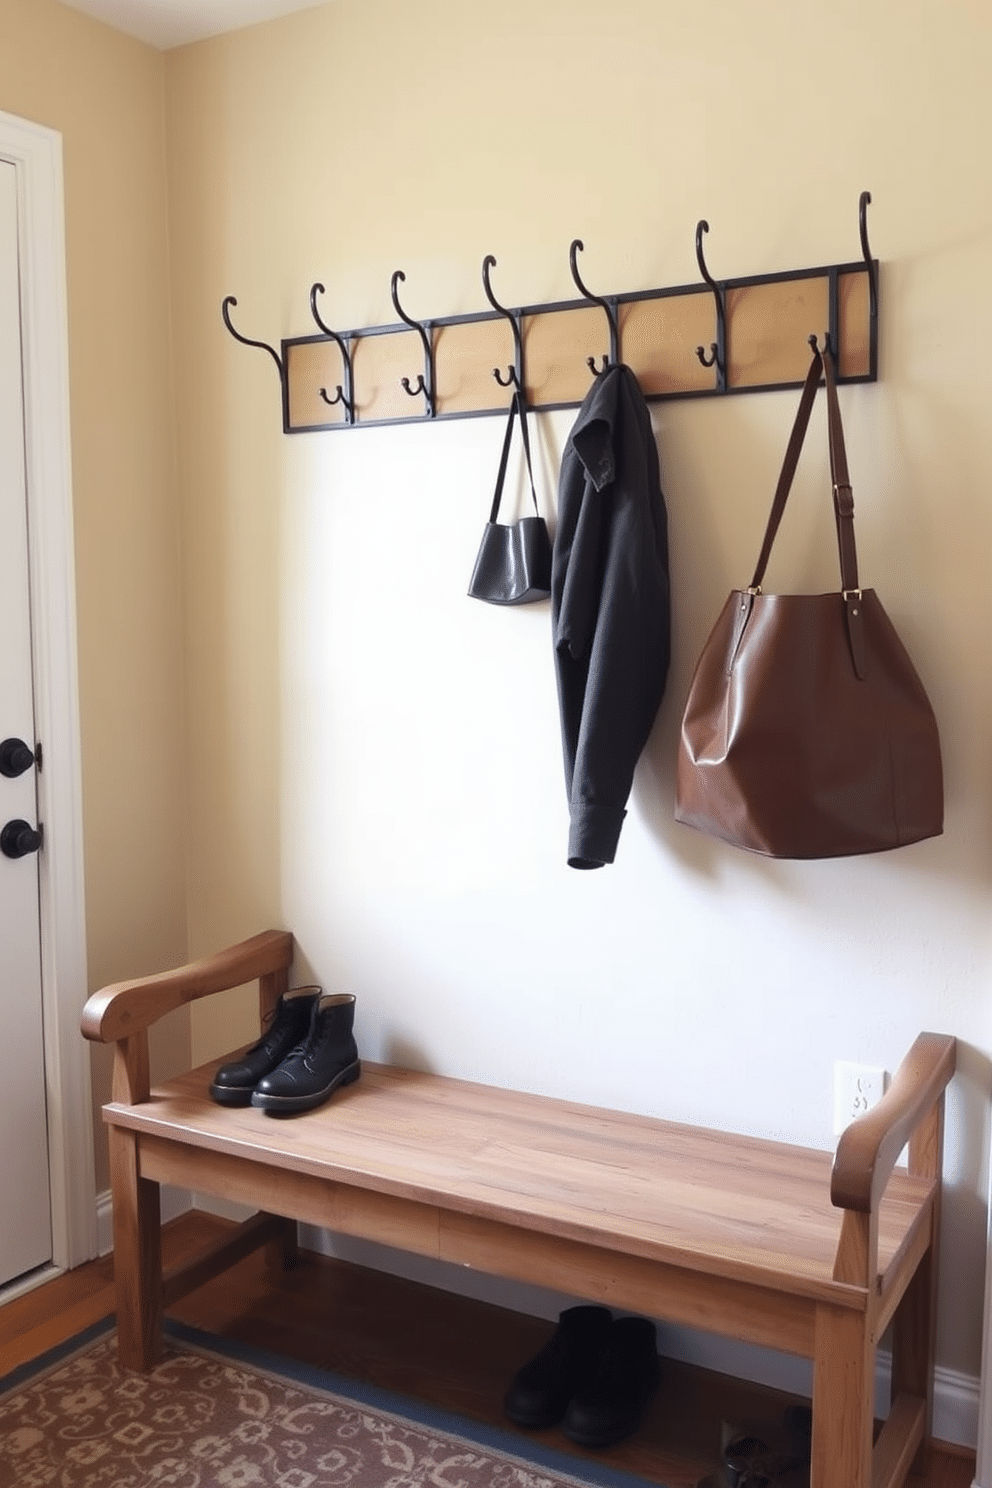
point(843, 498)
point(517, 405)
point(792, 452)
point(843, 495)
point(844, 516)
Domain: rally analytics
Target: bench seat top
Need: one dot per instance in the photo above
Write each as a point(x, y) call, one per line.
point(730, 1205)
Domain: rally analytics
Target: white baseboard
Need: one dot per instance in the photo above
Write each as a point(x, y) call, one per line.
point(175, 1201)
point(955, 1407)
point(956, 1395)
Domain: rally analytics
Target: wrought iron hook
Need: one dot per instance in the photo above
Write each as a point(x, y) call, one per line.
point(515, 378)
point(614, 355)
point(863, 201)
point(344, 394)
point(246, 340)
point(717, 356)
point(425, 384)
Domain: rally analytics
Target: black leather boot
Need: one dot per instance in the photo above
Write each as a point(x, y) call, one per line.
point(233, 1083)
point(609, 1406)
point(767, 1454)
point(540, 1391)
point(327, 1058)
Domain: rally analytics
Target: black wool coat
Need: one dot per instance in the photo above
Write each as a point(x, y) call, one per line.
point(610, 607)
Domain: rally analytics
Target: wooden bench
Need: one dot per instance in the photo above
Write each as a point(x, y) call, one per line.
point(778, 1245)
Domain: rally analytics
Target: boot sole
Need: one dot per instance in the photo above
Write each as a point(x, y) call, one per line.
point(288, 1105)
point(230, 1095)
point(534, 1420)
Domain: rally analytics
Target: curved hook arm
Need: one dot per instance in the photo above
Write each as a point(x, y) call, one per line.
point(614, 356)
point(246, 340)
point(425, 384)
point(702, 226)
point(343, 395)
point(717, 353)
point(516, 372)
point(864, 199)
point(315, 290)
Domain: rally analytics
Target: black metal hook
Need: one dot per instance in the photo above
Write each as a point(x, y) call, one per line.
point(832, 336)
point(717, 356)
point(814, 343)
point(425, 383)
point(515, 379)
point(344, 394)
point(863, 201)
point(246, 340)
point(614, 355)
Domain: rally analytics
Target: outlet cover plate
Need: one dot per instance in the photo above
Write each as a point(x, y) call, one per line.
point(857, 1087)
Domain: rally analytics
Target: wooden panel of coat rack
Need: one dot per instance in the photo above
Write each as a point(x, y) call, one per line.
point(768, 322)
point(757, 330)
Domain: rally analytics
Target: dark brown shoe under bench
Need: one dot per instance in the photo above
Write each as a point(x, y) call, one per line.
point(794, 1249)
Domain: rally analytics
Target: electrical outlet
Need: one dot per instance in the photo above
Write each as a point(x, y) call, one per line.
point(857, 1087)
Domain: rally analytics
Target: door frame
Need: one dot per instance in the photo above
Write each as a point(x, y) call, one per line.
point(35, 151)
point(983, 1473)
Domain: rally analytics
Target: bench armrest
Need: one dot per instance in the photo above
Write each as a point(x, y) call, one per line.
point(868, 1149)
point(119, 1011)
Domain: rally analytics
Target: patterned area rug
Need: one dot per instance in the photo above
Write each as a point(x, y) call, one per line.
point(214, 1416)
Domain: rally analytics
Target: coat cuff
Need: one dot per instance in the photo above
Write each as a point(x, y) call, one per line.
point(593, 835)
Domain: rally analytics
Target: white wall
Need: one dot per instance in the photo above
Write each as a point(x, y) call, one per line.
point(375, 759)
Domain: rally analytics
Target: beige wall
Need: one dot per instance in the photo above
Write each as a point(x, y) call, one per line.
point(292, 714)
point(105, 94)
point(374, 759)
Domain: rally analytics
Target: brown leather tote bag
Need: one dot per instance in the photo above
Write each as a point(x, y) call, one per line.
point(807, 732)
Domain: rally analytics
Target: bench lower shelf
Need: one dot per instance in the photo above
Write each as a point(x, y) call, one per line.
point(458, 1354)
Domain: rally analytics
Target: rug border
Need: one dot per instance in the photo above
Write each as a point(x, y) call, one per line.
point(574, 1470)
point(42, 1364)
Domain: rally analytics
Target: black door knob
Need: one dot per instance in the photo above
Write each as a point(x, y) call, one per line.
point(19, 838)
point(15, 757)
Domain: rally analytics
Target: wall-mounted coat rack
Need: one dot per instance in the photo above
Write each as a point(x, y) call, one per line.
point(719, 336)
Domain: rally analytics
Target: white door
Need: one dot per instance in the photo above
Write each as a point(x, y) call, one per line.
point(25, 1218)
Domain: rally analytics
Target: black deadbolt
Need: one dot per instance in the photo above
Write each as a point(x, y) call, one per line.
point(15, 758)
point(19, 838)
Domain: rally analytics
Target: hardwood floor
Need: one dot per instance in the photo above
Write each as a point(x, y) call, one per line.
point(444, 1350)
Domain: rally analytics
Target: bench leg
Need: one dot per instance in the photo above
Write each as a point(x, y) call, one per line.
point(843, 1399)
point(137, 1256)
point(284, 1254)
point(913, 1341)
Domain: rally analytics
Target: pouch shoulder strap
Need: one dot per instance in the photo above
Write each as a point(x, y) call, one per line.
point(517, 405)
